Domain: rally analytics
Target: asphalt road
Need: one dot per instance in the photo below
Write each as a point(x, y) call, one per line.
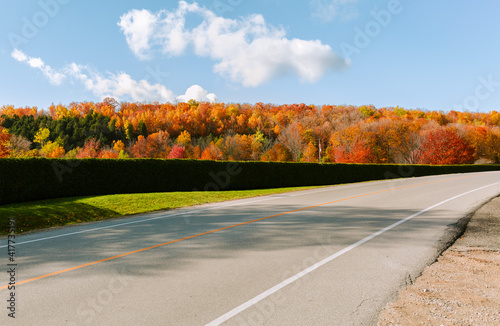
point(330, 256)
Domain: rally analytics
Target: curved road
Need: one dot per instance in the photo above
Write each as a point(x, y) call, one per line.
point(330, 256)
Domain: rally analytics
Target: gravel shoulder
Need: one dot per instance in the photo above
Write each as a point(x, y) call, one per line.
point(463, 286)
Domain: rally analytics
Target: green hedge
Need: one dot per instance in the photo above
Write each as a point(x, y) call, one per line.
point(39, 178)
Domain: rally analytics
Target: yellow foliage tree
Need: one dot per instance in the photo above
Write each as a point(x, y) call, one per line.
point(41, 136)
point(118, 146)
point(184, 139)
point(311, 153)
point(53, 149)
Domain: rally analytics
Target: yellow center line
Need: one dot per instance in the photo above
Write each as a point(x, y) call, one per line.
point(221, 229)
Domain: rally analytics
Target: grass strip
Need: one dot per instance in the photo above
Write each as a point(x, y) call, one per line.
point(44, 214)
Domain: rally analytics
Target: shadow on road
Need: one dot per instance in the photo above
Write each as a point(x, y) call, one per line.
point(328, 226)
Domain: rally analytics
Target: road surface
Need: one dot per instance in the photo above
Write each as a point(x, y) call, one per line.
point(329, 256)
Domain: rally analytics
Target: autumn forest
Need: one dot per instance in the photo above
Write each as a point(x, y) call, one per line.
point(260, 132)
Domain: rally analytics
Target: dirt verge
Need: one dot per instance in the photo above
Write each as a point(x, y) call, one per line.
point(463, 286)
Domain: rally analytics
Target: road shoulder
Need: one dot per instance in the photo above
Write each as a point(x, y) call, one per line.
point(463, 286)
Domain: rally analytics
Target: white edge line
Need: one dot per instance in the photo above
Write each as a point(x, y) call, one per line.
point(299, 193)
point(137, 221)
point(163, 216)
point(308, 270)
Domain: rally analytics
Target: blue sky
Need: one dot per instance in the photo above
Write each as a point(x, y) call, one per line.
point(435, 55)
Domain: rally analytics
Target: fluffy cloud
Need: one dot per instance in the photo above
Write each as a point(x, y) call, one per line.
point(197, 93)
point(246, 50)
point(328, 10)
point(120, 86)
point(138, 25)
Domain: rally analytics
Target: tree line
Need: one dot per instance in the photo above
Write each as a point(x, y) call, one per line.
point(258, 132)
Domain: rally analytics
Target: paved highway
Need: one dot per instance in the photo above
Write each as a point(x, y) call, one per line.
point(330, 256)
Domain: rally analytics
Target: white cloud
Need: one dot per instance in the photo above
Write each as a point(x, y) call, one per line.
point(138, 25)
point(19, 55)
point(54, 77)
point(36, 63)
point(329, 10)
point(120, 86)
point(197, 93)
point(247, 50)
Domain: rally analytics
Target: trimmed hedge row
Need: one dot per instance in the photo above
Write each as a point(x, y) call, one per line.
point(40, 178)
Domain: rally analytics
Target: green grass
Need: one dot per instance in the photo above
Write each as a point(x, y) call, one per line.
point(57, 212)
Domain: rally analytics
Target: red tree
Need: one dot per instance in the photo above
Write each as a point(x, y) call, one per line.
point(177, 152)
point(445, 146)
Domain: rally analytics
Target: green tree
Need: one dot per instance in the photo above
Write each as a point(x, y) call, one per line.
point(143, 130)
